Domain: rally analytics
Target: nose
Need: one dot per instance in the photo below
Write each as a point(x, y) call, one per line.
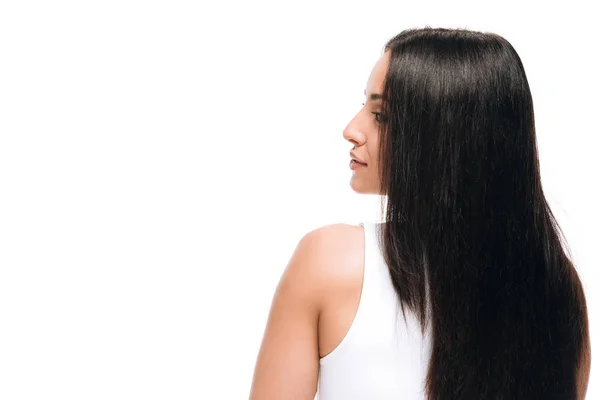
point(353, 134)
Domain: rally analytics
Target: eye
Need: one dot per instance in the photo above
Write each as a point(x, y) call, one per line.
point(379, 117)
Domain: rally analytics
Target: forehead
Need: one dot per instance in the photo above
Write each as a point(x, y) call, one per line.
point(377, 76)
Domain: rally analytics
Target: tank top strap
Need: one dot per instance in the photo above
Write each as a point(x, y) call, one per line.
point(376, 276)
point(376, 271)
point(368, 263)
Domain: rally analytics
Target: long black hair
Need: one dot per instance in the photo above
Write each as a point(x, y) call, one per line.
point(471, 243)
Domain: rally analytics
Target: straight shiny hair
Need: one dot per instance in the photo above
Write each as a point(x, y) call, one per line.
point(472, 245)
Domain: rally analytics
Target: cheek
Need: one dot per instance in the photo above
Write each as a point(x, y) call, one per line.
point(373, 151)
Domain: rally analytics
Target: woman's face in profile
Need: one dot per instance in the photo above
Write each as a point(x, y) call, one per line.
point(363, 132)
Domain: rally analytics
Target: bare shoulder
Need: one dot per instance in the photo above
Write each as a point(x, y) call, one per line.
point(335, 240)
point(325, 258)
point(337, 255)
point(287, 365)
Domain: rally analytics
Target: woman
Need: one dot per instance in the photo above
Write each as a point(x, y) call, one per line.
point(470, 254)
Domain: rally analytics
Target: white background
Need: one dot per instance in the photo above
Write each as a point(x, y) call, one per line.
point(160, 160)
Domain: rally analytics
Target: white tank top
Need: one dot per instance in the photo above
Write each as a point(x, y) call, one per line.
point(382, 356)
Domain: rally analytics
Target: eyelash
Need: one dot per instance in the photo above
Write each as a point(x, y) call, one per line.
point(378, 117)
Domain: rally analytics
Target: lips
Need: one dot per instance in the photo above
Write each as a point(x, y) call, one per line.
point(358, 160)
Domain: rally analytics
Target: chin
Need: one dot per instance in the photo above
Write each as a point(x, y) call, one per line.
point(358, 188)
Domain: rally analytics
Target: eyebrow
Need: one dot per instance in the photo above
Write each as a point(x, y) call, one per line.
point(374, 96)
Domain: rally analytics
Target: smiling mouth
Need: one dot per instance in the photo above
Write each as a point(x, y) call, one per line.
point(354, 163)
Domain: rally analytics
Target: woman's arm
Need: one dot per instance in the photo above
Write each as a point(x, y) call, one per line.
point(287, 365)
